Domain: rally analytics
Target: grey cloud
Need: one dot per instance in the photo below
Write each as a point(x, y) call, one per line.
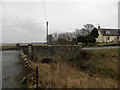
point(24, 30)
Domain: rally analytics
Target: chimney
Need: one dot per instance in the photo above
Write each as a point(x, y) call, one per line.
point(98, 26)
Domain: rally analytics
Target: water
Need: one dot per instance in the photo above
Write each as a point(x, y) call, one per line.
point(0, 70)
point(11, 68)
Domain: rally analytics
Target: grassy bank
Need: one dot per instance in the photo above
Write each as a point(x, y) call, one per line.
point(13, 46)
point(101, 44)
point(102, 63)
point(105, 44)
point(7, 47)
point(90, 69)
point(65, 76)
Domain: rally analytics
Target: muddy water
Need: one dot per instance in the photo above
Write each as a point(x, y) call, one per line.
point(11, 69)
point(0, 70)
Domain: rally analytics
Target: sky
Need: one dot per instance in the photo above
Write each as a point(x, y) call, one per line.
point(24, 20)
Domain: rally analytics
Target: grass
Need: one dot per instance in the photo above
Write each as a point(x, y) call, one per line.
point(103, 63)
point(7, 46)
point(4, 47)
point(111, 43)
point(100, 44)
point(33, 44)
point(90, 69)
point(65, 76)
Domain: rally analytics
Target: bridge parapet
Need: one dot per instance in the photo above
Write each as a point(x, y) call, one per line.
point(53, 52)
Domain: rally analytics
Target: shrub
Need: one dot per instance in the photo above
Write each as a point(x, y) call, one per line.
point(86, 39)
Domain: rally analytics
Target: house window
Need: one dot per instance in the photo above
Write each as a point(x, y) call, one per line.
point(107, 32)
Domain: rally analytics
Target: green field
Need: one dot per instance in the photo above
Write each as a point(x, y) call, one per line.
point(4, 47)
point(112, 43)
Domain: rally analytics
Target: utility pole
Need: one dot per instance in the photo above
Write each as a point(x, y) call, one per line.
point(47, 31)
point(37, 77)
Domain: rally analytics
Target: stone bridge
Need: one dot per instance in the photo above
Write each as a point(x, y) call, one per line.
point(53, 52)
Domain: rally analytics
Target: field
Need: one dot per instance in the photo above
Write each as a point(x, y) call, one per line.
point(13, 46)
point(105, 44)
point(6, 47)
point(91, 69)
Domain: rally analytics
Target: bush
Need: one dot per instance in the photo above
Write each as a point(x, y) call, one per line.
point(86, 39)
point(101, 63)
point(94, 33)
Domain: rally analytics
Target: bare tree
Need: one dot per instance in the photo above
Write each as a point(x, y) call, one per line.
point(50, 38)
point(84, 32)
point(55, 36)
point(89, 27)
point(78, 32)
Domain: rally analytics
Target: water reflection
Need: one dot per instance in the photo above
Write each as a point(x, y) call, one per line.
point(10, 69)
point(0, 69)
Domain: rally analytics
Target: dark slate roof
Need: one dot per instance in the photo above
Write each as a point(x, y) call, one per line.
point(113, 32)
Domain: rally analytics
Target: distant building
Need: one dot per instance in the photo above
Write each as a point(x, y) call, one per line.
point(108, 35)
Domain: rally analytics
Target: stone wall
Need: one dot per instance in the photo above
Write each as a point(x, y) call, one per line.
point(55, 53)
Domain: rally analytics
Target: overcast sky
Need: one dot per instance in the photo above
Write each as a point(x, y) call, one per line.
point(24, 21)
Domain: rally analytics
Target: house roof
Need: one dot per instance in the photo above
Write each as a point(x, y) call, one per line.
point(109, 32)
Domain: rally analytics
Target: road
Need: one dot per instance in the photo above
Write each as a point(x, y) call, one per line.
point(105, 47)
point(11, 69)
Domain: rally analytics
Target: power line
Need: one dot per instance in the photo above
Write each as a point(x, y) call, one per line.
point(44, 10)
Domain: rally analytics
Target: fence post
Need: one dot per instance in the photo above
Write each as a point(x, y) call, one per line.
point(30, 50)
point(37, 77)
point(17, 46)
